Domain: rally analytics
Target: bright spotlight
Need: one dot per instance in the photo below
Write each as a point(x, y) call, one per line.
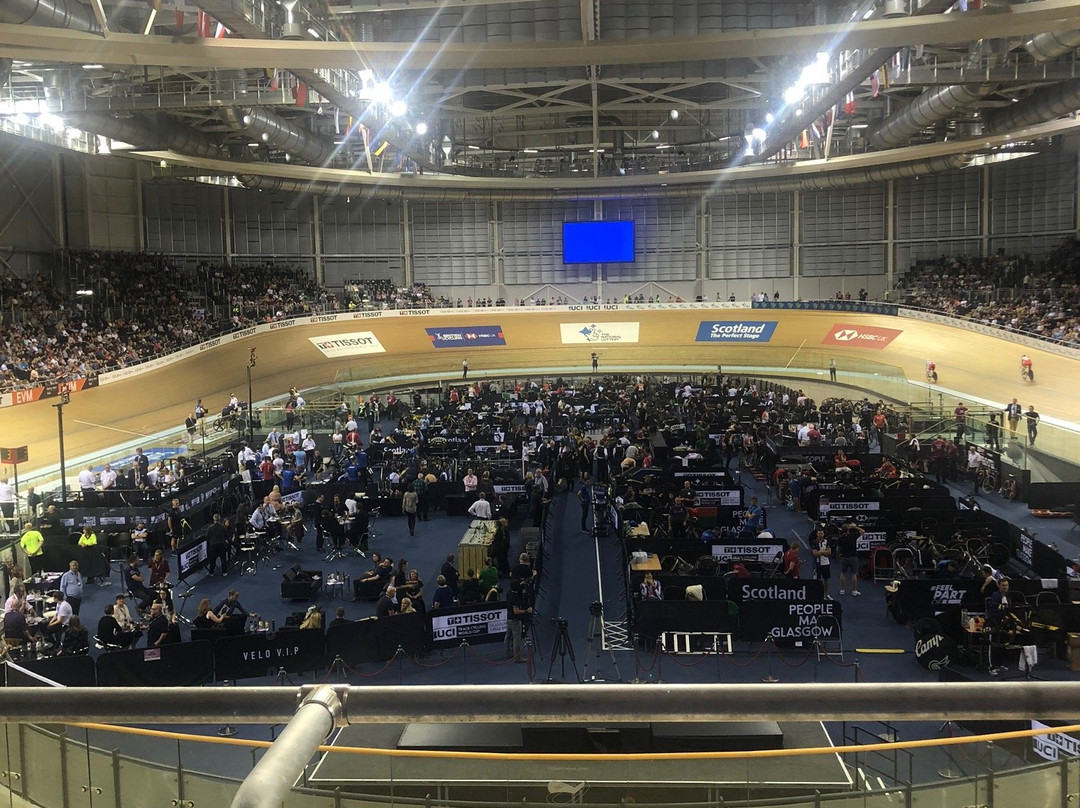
point(655, 135)
point(398, 108)
point(674, 114)
point(381, 93)
point(421, 128)
point(758, 134)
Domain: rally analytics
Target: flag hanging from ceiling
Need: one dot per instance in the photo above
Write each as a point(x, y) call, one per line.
point(849, 104)
point(804, 140)
point(875, 84)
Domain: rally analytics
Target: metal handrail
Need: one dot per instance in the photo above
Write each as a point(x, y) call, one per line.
point(551, 703)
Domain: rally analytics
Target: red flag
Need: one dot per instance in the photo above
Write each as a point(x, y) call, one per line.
point(804, 140)
point(275, 83)
point(179, 17)
point(849, 104)
point(301, 94)
point(202, 24)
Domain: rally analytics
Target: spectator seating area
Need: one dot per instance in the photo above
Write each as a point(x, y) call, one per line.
point(1041, 297)
point(140, 307)
point(120, 309)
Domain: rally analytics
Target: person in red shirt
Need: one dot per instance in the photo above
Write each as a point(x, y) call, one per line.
point(792, 562)
point(960, 417)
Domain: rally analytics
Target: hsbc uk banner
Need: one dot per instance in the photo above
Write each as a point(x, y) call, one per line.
point(860, 336)
point(470, 337)
point(736, 330)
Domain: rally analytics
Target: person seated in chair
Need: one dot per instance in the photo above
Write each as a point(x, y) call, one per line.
point(234, 614)
point(109, 632)
point(206, 618)
point(650, 588)
point(16, 627)
point(55, 628)
point(134, 583)
point(375, 580)
point(76, 639)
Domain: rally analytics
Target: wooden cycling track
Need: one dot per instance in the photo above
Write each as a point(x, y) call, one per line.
point(103, 417)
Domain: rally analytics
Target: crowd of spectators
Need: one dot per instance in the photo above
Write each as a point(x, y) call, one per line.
point(139, 306)
point(1041, 297)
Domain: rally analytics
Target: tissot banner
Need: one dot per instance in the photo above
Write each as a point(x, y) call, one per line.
point(352, 344)
point(485, 622)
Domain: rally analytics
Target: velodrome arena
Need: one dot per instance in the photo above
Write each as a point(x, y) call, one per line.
point(658, 290)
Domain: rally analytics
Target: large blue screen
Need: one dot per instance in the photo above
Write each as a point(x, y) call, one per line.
point(598, 242)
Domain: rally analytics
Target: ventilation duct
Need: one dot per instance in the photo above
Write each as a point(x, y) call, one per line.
point(816, 182)
point(146, 134)
point(894, 8)
point(69, 14)
point(280, 134)
point(1052, 44)
point(932, 106)
point(231, 82)
point(1042, 105)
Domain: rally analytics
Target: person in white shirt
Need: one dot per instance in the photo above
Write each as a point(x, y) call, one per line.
point(7, 503)
point(108, 478)
point(54, 631)
point(87, 479)
point(481, 509)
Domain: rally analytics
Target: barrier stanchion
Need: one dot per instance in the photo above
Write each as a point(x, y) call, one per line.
point(465, 662)
point(228, 730)
point(769, 678)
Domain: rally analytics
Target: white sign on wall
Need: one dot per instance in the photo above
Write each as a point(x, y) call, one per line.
point(597, 333)
point(353, 344)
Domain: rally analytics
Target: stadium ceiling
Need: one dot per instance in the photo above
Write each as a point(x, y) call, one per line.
point(563, 95)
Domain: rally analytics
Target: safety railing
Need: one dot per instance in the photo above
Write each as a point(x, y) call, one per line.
point(96, 766)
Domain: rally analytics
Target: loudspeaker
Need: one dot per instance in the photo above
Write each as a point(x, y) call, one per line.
point(291, 573)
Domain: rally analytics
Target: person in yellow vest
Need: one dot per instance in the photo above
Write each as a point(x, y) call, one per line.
point(88, 540)
point(32, 540)
point(88, 537)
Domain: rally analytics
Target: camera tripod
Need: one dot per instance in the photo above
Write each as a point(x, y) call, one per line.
point(563, 647)
point(596, 618)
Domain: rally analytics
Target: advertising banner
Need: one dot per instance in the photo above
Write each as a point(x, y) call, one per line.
point(761, 552)
point(352, 344)
point(1054, 745)
point(484, 622)
point(592, 333)
point(246, 656)
point(466, 337)
point(792, 622)
point(860, 336)
point(735, 330)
